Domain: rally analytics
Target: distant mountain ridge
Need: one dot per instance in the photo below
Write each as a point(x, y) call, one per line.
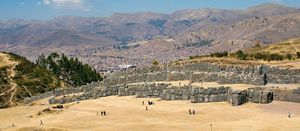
point(196, 31)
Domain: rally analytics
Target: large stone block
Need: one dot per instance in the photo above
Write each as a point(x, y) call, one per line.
point(293, 98)
point(194, 99)
point(201, 98)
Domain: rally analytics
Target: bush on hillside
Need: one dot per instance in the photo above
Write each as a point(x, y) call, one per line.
point(219, 54)
point(298, 54)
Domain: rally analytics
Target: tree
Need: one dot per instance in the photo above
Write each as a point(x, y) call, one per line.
point(276, 56)
point(240, 55)
point(70, 70)
point(219, 54)
point(155, 62)
point(289, 56)
point(298, 54)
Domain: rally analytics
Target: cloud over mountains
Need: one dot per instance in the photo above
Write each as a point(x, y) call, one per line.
point(67, 4)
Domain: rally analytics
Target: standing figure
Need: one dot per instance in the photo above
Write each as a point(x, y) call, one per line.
point(13, 124)
point(41, 124)
point(104, 113)
point(143, 103)
point(146, 108)
point(194, 112)
point(190, 112)
point(289, 115)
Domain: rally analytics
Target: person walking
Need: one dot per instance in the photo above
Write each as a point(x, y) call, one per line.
point(41, 123)
point(289, 115)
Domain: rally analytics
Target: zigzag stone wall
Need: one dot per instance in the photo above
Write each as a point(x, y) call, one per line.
point(208, 72)
point(118, 84)
point(168, 92)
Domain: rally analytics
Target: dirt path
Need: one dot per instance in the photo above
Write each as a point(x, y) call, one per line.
point(27, 90)
point(6, 61)
point(12, 74)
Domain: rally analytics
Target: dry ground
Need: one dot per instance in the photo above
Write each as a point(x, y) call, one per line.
point(128, 114)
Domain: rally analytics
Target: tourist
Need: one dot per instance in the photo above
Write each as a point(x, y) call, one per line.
point(194, 112)
point(101, 113)
point(190, 112)
point(143, 103)
point(104, 113)
point(146, 108)
point(41, 124)
point(289, 115)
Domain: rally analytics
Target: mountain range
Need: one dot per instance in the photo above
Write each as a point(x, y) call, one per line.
point(142, 37)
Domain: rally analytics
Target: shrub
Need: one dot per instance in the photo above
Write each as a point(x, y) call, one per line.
point(155, 62)
point(289, 56)
point(240, 55)
point(276, 56)
point(219, 54)
point(298, 54)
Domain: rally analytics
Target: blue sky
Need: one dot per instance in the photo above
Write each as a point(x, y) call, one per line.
point(47, 9)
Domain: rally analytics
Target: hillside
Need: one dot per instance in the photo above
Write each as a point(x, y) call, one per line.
point(291, 46)
point(21, 78)
point(282, 54)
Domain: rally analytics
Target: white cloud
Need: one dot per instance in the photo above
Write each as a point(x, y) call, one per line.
point(276, 1)
point(69, 4)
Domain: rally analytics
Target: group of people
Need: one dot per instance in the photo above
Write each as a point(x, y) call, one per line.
point(103, 113)
point(149, 103)
point(192, 112)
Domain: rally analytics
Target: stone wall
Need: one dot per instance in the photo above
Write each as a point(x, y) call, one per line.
point(208, 72)
point(168, 92)
point(286, 95)
point(119, 84)
point(195, 94)
point(63, 91)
